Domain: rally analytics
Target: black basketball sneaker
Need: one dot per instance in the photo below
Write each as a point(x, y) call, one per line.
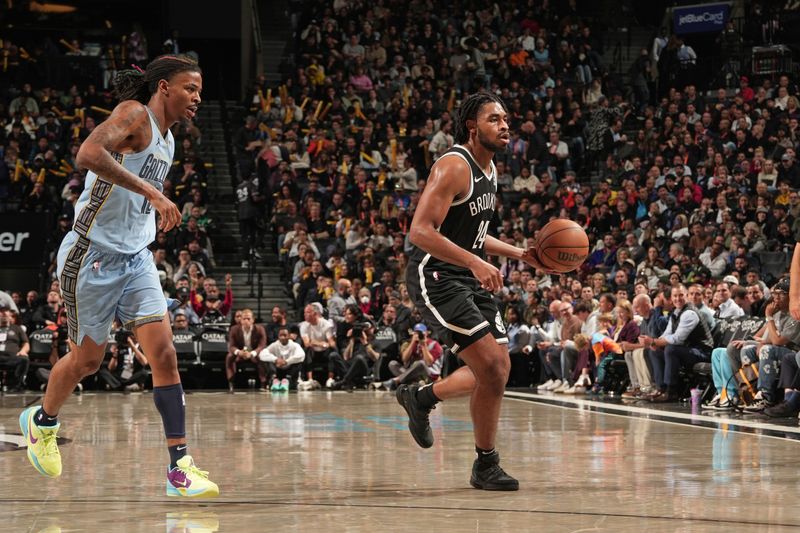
point(418, 423)
point(488, 475)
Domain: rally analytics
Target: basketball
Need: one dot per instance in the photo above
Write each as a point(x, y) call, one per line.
point(562, 245)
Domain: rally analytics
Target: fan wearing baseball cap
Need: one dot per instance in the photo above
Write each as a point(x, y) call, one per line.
point(781, 339)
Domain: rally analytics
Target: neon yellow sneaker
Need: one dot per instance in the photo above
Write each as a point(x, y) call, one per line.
point(41, 440)
point(189, 481)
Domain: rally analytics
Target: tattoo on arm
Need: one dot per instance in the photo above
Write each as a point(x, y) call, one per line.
point(115, 135)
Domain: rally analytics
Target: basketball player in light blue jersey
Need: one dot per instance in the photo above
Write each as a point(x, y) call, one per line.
point(105, 267)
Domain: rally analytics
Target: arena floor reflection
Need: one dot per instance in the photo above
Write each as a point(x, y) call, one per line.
point(339, 461)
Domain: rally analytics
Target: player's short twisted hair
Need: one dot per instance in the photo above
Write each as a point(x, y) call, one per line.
point(468, 110)
point(137, 84)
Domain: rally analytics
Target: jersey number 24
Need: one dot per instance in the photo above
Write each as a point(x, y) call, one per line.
point(482, 229)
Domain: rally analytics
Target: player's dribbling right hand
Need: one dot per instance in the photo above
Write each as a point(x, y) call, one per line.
point(531, 257)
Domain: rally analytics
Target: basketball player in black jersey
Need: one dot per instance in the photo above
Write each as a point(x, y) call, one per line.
point(451, 282)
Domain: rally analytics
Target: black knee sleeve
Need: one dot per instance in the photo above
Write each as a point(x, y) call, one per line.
point(171, 404)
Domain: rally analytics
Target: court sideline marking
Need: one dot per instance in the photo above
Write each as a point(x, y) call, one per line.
point(766, 429)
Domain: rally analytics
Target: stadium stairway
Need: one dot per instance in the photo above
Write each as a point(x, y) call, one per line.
point(623, 42)
point(622, 47)
point(225, 233)
point(623, 37)
point(276, 34)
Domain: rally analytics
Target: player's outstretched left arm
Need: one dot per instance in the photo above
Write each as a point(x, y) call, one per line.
point(126, 130)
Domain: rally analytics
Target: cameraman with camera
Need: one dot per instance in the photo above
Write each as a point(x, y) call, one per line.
point(128, 368)
point(185, 305)
point(422, 360)
point(355, 360)
point(385, 344)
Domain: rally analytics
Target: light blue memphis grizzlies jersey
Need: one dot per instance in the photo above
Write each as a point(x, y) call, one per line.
point(115, 218)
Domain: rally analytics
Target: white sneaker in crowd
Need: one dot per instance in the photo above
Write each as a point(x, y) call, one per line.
point(544, 385)
point(563, 388)
point(556, 384)
point(713, 403)
point(758, 405)
point(727, 404)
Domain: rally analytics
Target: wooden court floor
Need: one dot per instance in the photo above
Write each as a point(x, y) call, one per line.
point(341, 461)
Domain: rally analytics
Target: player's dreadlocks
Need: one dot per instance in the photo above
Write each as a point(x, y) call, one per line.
point(141, 84)
point(469, 111)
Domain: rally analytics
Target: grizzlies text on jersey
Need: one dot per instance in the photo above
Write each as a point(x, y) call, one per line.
point(115, 218)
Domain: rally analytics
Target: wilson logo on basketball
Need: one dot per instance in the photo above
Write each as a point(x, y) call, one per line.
point(570, 257)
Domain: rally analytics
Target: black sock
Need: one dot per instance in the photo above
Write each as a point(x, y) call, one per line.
point(426, 398)
point(43, 419)
point(175, 454)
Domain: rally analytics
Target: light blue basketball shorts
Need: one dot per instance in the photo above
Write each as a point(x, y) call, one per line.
point(98, 285)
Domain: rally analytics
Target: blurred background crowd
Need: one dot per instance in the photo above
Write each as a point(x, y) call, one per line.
point(676, 151)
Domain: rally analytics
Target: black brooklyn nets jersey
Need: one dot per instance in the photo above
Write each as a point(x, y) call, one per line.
point(467, 221)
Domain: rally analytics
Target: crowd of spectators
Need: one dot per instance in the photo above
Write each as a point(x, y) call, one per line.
point(689, 196)
point(677, 187)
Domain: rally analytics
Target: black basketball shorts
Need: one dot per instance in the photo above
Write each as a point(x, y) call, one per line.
point(454, 306)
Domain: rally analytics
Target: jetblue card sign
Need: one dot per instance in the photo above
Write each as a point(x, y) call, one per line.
point(700, 18)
